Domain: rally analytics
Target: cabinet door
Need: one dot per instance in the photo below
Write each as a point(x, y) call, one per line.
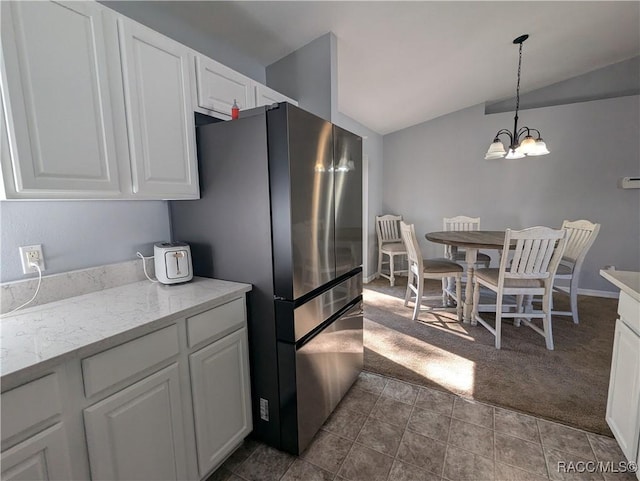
point(218, 86)
point(221, 398)
point(44, 456)
point(56, 98)
point(160, 121)
point(624, 390)
point(138, 433)
point(267, 96)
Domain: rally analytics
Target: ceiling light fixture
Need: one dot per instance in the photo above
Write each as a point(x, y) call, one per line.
point(529, 145)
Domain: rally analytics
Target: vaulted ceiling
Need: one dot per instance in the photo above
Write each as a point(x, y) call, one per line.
point(402, 63)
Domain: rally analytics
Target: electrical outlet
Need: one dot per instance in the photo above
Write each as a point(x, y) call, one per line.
point(31, 254)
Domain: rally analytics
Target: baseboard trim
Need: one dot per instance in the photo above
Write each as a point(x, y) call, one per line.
point(371, 278)
point(591, 292)
point(582, 292)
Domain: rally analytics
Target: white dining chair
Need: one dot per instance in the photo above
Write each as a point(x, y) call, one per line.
point(421, 269)
point(536, 257)
point(389, 244)
point(463, 223)
point(581, 235)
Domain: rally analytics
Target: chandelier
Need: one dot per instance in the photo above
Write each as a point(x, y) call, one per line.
point(529, 145)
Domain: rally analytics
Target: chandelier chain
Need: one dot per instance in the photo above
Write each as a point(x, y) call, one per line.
point(518, 85)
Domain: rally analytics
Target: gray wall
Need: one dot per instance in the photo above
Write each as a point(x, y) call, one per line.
point(157, 16)
point(437, 169)
point(306, 75)
point(76, 235)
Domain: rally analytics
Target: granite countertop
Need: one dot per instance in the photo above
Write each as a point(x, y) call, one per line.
point(626, 281)
point(40, 337)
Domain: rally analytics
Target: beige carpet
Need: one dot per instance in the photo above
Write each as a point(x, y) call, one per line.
point(567, 385)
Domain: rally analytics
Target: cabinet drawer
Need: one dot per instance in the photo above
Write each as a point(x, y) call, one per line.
point(629, 310)
point(215, 323)
point(115, 365)
point(29, 405)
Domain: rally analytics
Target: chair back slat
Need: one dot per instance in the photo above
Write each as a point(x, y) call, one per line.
point(414, 254)
point(387, 228)
point(537, 252)
point(461, 223)
point(581, 235)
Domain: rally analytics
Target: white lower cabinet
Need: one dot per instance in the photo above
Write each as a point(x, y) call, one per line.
point(34, 438)
point(138, 433)
point(221, 398)
point(623, 403)
point(171, 404)
point(44, 456)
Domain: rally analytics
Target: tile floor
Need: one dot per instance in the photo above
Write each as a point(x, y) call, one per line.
point(388, 430)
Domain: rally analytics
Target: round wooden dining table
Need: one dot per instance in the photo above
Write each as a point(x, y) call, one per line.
point(471, 242)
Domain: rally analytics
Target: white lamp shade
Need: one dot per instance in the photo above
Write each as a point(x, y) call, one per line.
point(540, 148)
point(496, 151)
point(514, 154)
point(527, 146)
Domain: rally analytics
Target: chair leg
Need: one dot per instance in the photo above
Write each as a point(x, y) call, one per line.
point(459, 296)
point(416, 309)
point(546, 322)
point(407, 294)
point(498, 322)
point(445, 284)
point(573, 295)
point(379, 264)
point(476, 301)
point(519, 308)
point(391, 268)
point(445, 297)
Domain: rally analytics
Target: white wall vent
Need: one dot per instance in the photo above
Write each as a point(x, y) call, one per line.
point(630, 183)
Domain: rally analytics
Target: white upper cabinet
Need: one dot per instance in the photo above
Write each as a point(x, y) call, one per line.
point(218, 86)
point(55, 90)
point(97, 106)
point(267, 96)
point(160, 123)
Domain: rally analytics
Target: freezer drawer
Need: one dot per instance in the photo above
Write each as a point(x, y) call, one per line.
point(294, 323)
point(326, 367)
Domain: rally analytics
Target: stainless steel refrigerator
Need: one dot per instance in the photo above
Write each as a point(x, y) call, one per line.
point(281, 208)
